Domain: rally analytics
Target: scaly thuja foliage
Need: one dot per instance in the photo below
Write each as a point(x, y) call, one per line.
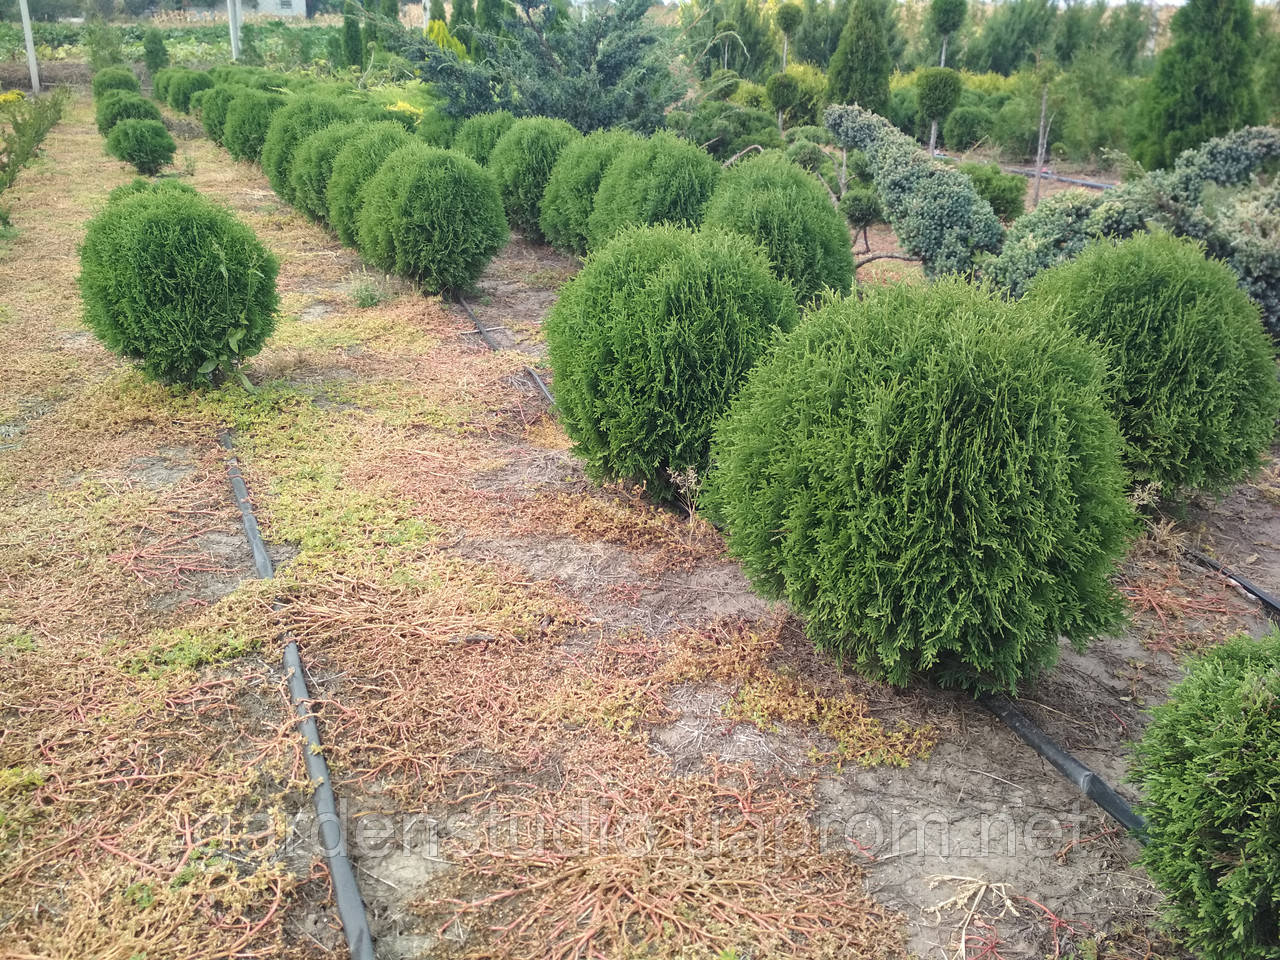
point(932, 481)
point(298, 118)
point(154, 53)
point(663, 180)
point(214, 104)
point(144, 143)
point(860, 67)
point(1193, 383)
point(1206, 767)
point(182, 84)
point(352, 168)
point(248, 119)
point(313, 165)
point(521, 164)
point(478, 134)
point(787, 211)
point(571, 189)
point(1006, 192)
point(432, 215)
point(116, 105)
point(649, 343)
point(114, 78)
point(177, 283)
point(934, 209)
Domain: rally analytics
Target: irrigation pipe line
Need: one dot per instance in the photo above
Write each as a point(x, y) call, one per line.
point(1271, 604)
point(1090, 783)
point(346, 893)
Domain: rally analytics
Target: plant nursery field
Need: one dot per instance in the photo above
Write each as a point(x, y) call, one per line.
point(559, 721)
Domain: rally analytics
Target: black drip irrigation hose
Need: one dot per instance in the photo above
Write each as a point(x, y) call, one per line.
point(1030, 175)
point(484, 335)
point(346, 893)
point(1267, 600)
point(1092, 785)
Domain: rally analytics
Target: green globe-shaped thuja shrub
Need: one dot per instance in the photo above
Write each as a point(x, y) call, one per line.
point(663, 180)
point(352, 167)
point(651, 340)
point(177, 283)
point(144, 143)
point(214, 104)
point(521, 164)
point(117, 105)
point(248, 119)
point(788, 212)
point(571, 189)
point(160, 82)
point(433, 215)
point(290, 125)
point(182, 85)
point(1207, 767)
point(114, 78)
point(477, 135)
point(933, 481)
point(313, 166)
point(1193, 382)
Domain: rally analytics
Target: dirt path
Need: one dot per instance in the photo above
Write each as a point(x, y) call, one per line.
point(558, 719)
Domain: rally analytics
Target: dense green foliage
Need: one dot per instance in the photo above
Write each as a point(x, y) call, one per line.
point(247, 121)
point(117, 105)
point(861, 206)
point(182, 84)
point(214, 104)
point(144, 143)
point(1203, 85)
point(725, 128)
point(432, 215)
point(114, 78)
point(352, 42)
point(934, 209)
point(353, 165)
point(937, 92)
point(932, 481)
point(28, 120)
point(663, 180)
point(1194, 379)
point(154, 53)
point(966, 127)
point(861, 65)
point(177, 283)
point(790, 214)
point(160, 82)
point(478, 135)
point(1006, 192)
point(292, 123)
point(571, 189)
point(313, 165)
point(649, 343)
point(1207, 767)
point(521, 164)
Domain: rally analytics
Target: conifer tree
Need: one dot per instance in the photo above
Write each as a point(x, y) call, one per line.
point(464, 11)
point(946, 17)
point(860, 67)
point(437, 11)
point(1203, 84)
point(352, 42)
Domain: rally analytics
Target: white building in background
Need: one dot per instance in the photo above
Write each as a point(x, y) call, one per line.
point(277, 8)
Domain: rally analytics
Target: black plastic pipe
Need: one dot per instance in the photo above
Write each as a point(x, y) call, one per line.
point(484, 335)
point(1266, 599)
point(346, 892)
point(1089, 783)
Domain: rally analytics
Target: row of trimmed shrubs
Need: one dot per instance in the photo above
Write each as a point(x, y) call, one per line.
point(578, 192)
point(132, 126)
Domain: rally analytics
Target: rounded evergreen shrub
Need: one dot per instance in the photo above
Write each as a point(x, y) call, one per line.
point(313, 165)
point(1193, 381)
point(1006, 192)
point(214, 104)
point(144, 143)
point(966, 127)
point(478, 135)
point(571, 189)
point(861, 206)
point(114, 78)
point(788, 212)
point(432, 215)
point(353, 166)
point(1207, 768)
point(651, 340)
point(160, 82)
point(663, 180)
point(521, 164)
point(933, 481)
point(182, 84)
point(248, 118)
point(117, 105)
point(177, 283)
point(290, 125)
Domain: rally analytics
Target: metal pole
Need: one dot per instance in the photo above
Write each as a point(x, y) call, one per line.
point(233, 24)
point(31, 46)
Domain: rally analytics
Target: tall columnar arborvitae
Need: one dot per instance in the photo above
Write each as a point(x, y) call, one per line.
point(490, 14)
point(154, 52)
point(946, 17)
point(352, 41)
point(1203, 84)
point(437, 10)
point(859, 71)
point(390, 10)
point(464, 11)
